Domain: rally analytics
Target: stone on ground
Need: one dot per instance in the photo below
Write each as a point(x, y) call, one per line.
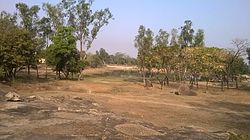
point(13, 97)
point(184, 89)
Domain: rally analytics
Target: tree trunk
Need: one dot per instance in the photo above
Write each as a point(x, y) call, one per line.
point(236, 82)
point(167, 81)
point(174, 77)
point(80, 75)
point(191, 82)
point(56, 75)
point(81, 45)
point(196, 82)
point(59, 74)
point(207, 83)
point(13, 74)
point(46, 67)
point(144, 76)
point(83, 56)
point(37, 74)
point(227, 80)
point(222, 83)
point(179, 75)
point(28, 70)
point(46, 70)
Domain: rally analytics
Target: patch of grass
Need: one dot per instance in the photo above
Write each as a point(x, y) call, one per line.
point(233, 136)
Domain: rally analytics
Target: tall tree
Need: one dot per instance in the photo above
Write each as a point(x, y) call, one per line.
point(87, 23)
point(144, 44)
point(16, 47)
point(174, 37)
point(199, 38)
point(234, 55)
point(186, 36)
point(162, 38)
point(29, 19)
point(55, 15)
point(45, 31)
point(62, 53)
point(103, 56)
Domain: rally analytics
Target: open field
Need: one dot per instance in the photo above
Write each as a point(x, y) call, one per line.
point(111, 103)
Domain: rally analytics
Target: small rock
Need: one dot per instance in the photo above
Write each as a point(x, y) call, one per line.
point(32, 97)
point(61, 109)
point(93, 111)
point(184, 89)
point(77, 98)
point(95, 104)
point(176, 93)
point(13, 97)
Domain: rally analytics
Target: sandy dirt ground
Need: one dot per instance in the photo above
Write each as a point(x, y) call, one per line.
point(109, 105)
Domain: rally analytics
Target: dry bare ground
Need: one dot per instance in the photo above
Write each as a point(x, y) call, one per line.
point(112, 104)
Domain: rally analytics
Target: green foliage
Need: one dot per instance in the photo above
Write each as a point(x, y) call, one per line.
point(144, 44)
point(188, 57)
point(62, 53)
point(199, 38)
point(174, 37)
point(31, 35)
point(121, 59)
point(86, 21)
point(102, 57)
point(17, 48)
point(29, 17)
point(54, 14)
point(248, 55)
point(186, 36)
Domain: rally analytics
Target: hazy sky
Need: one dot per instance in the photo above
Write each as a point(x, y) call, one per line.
point(222, 20)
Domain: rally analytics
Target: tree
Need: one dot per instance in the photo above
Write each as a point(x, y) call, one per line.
point(103, 56)
point(55, 15)
point(44, 28)
point(248, 55)
point(29, 20)
point(86, 22)
point(62, 53)
point(162, 38)
point(29, 17)
point(199, 38)
point(174, 37)
point(17, 47)
point(186, 36)
point(144, 44)
point(8, 18)
point(233, 59)
point(162, 56)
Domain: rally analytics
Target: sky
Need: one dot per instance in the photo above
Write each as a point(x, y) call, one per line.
point(222, 20)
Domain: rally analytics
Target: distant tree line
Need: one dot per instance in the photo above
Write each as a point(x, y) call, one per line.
point(25, 37)
point(182, 55)
point(102, 58)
